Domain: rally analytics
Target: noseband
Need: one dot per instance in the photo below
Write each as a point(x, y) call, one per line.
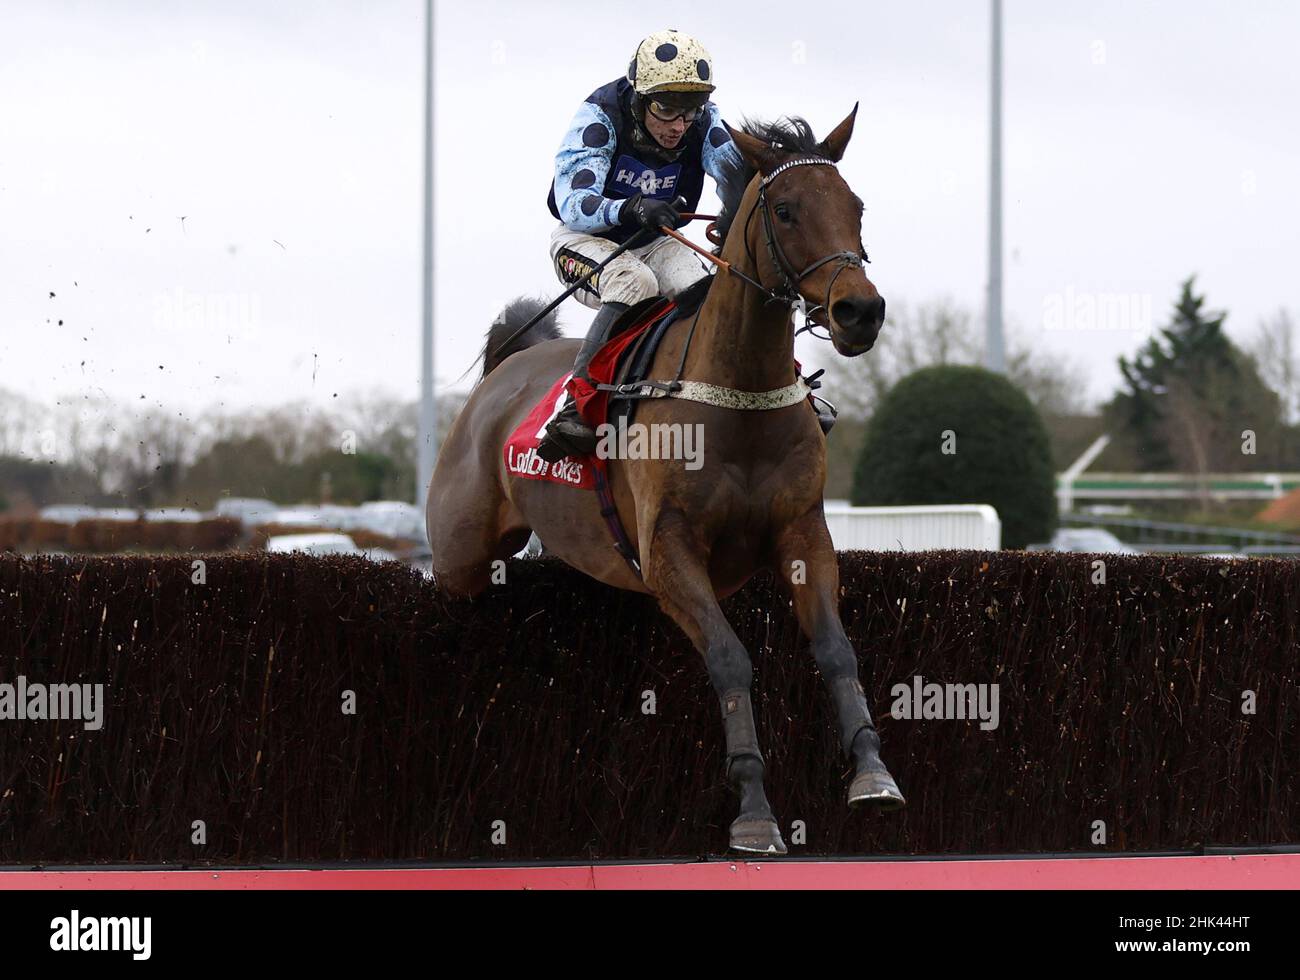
point(788, 292)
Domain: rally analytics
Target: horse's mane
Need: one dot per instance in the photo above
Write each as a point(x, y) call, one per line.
point(790, 135)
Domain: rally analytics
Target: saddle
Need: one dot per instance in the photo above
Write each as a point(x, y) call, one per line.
point(627, 354)
point(621, 369)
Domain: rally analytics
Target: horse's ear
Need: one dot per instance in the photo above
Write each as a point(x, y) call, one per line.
point(756, 153)
point(838, 139)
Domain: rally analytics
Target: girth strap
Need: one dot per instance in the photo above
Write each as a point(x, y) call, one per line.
point(609, 511)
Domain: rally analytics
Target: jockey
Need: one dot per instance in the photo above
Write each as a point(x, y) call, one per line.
point(634, 157)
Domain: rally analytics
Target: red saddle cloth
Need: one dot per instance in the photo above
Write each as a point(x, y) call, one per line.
point(521, 448)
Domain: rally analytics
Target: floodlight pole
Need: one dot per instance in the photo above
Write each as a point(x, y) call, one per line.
point(996, 356)
point(427, 448)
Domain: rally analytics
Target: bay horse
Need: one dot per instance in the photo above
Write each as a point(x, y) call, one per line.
point(755, 503)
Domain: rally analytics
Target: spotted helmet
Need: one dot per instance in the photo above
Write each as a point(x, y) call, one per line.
point(670, 61)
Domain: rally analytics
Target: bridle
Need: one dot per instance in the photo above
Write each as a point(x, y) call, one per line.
point(788, 291)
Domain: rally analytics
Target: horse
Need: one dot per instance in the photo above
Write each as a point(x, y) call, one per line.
point(755, 503)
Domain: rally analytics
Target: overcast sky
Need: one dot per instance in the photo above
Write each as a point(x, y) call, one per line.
point(1144, 142)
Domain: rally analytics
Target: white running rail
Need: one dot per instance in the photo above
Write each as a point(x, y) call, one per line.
point(974, 526)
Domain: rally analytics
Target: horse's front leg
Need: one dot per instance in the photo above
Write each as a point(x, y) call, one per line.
point(807, 566)
point(676, 573)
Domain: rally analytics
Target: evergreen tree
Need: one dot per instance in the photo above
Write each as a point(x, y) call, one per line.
point(1189, 393)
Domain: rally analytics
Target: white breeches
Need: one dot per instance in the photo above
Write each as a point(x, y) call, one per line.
point(662, 268)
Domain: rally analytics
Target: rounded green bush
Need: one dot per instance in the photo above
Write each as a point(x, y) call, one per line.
point(997, 450)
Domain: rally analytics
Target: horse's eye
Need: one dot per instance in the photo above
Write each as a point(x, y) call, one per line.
point(783, 213)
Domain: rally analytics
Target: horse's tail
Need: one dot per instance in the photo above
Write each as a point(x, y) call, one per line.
point(515, 315)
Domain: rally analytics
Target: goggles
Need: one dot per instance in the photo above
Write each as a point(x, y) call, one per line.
point(667, 113)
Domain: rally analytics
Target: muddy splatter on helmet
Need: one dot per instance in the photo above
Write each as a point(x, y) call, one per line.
point(670, 63)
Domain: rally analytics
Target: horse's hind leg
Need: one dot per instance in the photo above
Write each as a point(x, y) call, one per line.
point(676, 573)
point(470, 525)
point(807, 566)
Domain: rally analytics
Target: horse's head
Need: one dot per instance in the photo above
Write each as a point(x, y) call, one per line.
point(803, 228)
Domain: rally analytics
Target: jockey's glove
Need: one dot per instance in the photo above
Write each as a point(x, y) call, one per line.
point(650, 213)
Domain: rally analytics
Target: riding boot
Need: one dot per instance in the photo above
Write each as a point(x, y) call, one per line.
point(568, 434)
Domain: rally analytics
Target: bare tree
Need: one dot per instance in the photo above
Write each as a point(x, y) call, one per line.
point(1276, 351)
point(20, 422)
point(1191, 432)
point(941, 333)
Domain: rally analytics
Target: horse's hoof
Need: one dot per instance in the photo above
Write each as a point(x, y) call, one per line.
point(876, 787)
point(757, 835)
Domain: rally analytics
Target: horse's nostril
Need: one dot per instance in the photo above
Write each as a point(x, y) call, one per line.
point(848, 313)
point(857, 312)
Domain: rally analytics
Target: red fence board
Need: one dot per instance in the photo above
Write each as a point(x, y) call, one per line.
point(1251, 871)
